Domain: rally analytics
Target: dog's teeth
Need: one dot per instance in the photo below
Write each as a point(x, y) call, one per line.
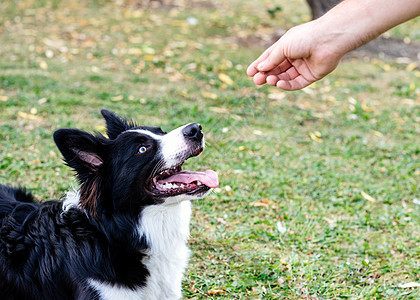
point(199, 183)
point(168, 186)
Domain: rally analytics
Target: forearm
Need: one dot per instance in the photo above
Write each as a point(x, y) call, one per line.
point(353, 23)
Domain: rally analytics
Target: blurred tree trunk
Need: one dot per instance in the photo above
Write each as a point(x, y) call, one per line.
point(320, 7)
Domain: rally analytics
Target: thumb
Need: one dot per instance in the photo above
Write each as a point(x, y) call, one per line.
point(273, 60)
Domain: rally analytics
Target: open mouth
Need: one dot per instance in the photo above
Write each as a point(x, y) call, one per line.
point(175, 181)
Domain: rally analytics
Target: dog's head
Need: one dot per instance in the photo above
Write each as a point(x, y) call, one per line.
point(135, 166)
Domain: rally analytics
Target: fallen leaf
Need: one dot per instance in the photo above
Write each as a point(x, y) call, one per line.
point(412, 66)
point(258, 204)
point(368, 197)
point(117, 98)
point(266, 201)
point(220, 110)
point(352, 100)
point(366, 108)
point(409, 285)
point(262, 203)
point(377, 133)
point(54, 43)
point(277, 96)
point(180, 23)
point(148, 50)
point(315, 138)
point(148, 57)
point(34, 162)
point(42, 100)
point(216, 292)
point(283, 260)
point(386, 67)
point(220, 220)
point(24, 115)
point(43, 65)
point(281, 227)
point(329, 221)
point(226, 79)
point(135, 51)
point(308, 91)
point(209, 95)
point(4, 98)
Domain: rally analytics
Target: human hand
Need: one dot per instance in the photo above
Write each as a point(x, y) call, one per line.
point(303, 55)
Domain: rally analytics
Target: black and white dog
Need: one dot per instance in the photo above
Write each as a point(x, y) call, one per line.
point(123, 234)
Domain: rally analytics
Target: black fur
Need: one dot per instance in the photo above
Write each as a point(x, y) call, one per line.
point(46, 253)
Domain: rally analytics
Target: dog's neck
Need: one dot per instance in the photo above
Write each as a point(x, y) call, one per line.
point(165, 227)
point(166, 231)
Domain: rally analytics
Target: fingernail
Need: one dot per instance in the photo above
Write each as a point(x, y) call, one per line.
point(261, 66)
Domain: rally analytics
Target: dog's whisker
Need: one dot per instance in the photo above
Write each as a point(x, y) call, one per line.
point(157, 167)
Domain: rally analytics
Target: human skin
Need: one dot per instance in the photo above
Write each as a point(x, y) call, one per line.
point(306, 53)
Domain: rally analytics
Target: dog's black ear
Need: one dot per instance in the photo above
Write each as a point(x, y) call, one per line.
point(115, 124)
point(81, 152)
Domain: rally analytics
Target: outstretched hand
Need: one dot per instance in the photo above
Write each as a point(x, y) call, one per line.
point(308, 52)
point(295, 61)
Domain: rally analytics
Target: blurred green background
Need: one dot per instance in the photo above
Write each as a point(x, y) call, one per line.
point(319, 193)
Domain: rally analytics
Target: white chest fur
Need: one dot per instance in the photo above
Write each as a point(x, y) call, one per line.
point(166, 229)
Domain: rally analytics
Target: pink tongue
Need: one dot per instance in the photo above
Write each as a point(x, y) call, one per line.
point(208, 178)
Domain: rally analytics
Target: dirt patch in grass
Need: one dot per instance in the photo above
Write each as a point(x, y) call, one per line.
point(169, 4)
point(390, 48)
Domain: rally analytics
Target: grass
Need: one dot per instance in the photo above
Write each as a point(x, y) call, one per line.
point(318, 187)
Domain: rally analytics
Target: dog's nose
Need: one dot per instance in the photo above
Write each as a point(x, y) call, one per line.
point(193, 132)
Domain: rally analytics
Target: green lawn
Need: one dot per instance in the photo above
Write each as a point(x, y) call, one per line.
point(319, 194)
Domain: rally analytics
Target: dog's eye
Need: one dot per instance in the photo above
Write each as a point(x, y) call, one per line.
point(142, 149)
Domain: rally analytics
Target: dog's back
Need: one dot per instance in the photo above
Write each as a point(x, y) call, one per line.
point(13, 195)
point(32, 250)
point(10, 198)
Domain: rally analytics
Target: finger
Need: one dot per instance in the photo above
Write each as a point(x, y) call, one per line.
point(289, 80)
point(294, 84)
point(284, 71)
point(252, 69)
point(275, 58)
point(282, 68)
point(260, 78)
point(272, 80)
point(290, 74)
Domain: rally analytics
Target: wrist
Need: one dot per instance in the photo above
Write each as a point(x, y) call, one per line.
point(340, 32)
point(331, 39)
